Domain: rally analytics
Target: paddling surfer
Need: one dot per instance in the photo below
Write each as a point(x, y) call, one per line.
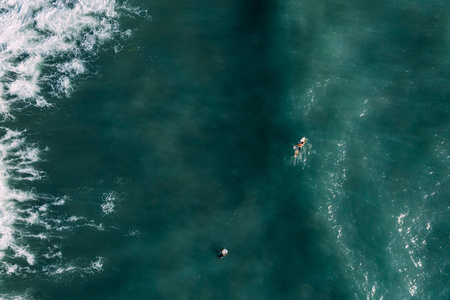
point(223, 253)
point(299, 146)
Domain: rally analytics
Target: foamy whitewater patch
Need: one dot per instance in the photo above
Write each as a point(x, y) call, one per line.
point(108, 202)
point(87, 268)
point(45, 45)
point(97, 265)
point(16, 160)
point(21, 259)
point(26, 296)
point(54, 34)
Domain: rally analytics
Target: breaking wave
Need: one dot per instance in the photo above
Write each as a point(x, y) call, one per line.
point(45, 45)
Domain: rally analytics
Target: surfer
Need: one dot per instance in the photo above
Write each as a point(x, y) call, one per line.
point(299, 146)
point(223, 253)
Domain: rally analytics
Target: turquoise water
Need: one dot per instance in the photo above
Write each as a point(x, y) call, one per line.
point(139, 139)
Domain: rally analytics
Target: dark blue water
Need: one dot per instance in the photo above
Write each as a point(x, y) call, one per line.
point(139, 139)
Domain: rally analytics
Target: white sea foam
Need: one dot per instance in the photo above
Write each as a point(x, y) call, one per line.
point(16, 297)
point(88, 268)
point(45, 46)
point(97, 265)
point(12, 161)
point(108, 202)
point(34, 32)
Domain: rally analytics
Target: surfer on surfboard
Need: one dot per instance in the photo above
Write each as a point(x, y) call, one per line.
point(223, 253)
point(299, 146)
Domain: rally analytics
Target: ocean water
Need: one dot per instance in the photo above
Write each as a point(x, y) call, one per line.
point(140, 138)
